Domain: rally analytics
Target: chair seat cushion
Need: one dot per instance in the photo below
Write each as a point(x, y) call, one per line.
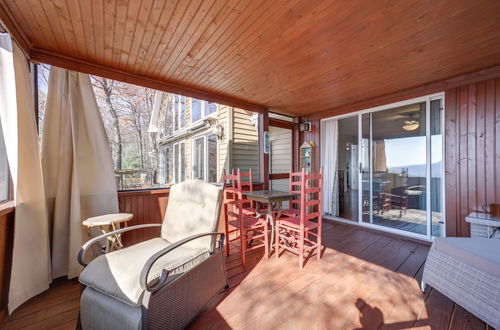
point(117, 273)
point(481, 253)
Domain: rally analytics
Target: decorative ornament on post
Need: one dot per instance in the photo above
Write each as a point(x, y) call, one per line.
point(305, 126)
point(266, 143)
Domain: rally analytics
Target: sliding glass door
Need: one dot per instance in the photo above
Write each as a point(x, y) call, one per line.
point(389, 169)
point(395, 171)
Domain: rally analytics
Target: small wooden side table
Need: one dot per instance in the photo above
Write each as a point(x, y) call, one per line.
point(107, 223)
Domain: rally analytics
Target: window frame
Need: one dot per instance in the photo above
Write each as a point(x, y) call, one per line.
point(164, 162)
point(204, 105)
point(177, 161)
point(177, 102)
point(206, 163)
point(194, 158)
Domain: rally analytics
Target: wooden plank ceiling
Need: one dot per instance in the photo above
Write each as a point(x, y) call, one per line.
point(291, 56)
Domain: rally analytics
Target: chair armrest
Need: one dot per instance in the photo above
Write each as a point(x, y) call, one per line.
point(92, 241)
point(159, 283)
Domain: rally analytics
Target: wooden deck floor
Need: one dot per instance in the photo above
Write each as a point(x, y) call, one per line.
point(364, 281)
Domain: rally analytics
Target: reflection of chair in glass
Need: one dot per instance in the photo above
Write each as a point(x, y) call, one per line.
point(396, 199)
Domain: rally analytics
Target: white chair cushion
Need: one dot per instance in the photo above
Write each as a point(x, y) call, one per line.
point(117, 273)
point(193, 208)
point(481, 253)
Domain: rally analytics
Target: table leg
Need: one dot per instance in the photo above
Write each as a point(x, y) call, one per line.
point(104, 230)
point(117, 240)
point(270, 219)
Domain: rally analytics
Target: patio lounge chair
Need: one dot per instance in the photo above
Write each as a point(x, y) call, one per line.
point(165, 282)
point(467, 270)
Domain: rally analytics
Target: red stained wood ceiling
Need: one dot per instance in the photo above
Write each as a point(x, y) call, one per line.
point(291, 56)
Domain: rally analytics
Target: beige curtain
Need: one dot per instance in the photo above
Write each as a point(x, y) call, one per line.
point(329, 163)
point(30, 261)
point(77, 166)
point(380, 160)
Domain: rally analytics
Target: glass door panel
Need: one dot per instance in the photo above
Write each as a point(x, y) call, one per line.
point(396, 148)
point(365, 193)
point(348, 168)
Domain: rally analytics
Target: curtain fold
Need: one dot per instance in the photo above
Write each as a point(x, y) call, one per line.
point(30, 260)
point(380, 159)
point(329, 162)
point(77, 166)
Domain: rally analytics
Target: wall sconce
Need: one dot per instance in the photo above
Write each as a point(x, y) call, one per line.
point(218, 130)
point(305, 126)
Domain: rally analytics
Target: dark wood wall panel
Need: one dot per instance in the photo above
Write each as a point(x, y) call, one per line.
point(6, 243)
point(472, 147)
point(147, 207)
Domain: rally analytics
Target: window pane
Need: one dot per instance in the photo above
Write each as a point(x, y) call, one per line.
point(436, 166)
point(348, 168)
point(182, 111)
point(168, 166)
point(199, 158)
point(182, 157)
point(195, 110)
point(210, 108)
point(4, 170)
point(212, 158)
point(175, 111)
point(162, 166)
point(176, 163)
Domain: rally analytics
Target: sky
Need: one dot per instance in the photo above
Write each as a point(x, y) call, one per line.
point(411, 151)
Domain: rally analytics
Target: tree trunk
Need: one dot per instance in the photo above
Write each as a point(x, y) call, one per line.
point(108, 90)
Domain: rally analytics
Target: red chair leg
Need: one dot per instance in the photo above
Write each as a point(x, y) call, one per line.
point(277, 240)
point(318, 252)
point(227, 229)
point(266, 239)
point(301, 250)
point(243, 243)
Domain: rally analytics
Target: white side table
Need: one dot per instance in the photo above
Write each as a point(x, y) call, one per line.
point(483, 225)
point(107, 223)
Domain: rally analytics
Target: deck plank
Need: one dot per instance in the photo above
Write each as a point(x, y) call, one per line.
point(364, 280)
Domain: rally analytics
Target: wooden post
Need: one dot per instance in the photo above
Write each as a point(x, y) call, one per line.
point(264, 158)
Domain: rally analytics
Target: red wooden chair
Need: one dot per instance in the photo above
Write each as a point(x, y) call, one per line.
point(294, 186)
point(240, 217)
point(297, 233)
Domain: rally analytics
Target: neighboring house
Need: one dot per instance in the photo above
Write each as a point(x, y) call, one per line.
point(198, 139)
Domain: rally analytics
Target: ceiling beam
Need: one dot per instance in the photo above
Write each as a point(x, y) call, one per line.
point(44, 56)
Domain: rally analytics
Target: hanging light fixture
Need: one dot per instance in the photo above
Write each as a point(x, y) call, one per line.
point(411, 125)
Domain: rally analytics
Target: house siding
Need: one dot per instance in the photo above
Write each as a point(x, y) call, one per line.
point(245, 143)
point(238, 148)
